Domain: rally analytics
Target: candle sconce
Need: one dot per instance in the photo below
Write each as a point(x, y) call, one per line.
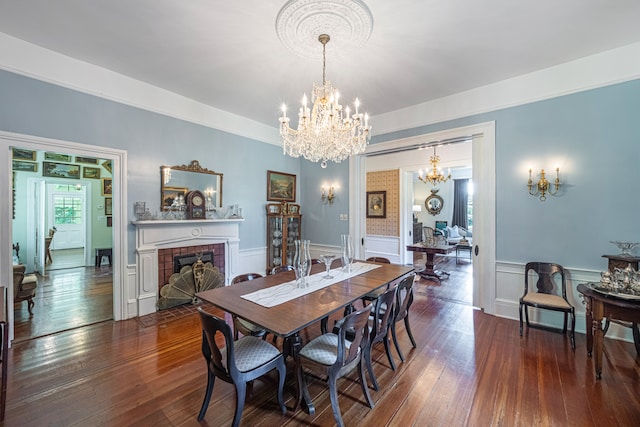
point(327, 197)
point(543, 186)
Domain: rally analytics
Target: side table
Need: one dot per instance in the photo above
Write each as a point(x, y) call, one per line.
point(463, 247)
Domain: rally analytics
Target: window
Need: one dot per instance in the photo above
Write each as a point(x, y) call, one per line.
point(67, 209)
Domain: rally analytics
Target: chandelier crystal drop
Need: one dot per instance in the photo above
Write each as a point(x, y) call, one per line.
point(325, 132)
point(434, 176)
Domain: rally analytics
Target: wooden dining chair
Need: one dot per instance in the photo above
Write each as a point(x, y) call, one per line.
point(404, 299)
point(239, 324)
point(237, 363)
point(334, 356)
point(547, 295)
point(381, 260)
point(382, 316)
point(281, 269)
point(379, 325)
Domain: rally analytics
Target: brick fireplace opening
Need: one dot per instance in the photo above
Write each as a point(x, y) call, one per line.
point(170, 260)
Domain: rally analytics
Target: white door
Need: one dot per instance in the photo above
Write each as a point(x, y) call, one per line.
point(40, 230)
point(67, 213)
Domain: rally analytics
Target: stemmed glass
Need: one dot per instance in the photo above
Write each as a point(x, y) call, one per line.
point(327, 259)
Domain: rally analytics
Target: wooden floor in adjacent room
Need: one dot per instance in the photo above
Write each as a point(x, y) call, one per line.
point(469, 368)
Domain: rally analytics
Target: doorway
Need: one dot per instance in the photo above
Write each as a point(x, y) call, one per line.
point(71, 292)
point(483, 165)
point(116, 162)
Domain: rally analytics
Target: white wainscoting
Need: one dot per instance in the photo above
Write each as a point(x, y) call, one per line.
point(510, 287)
point(383, 246)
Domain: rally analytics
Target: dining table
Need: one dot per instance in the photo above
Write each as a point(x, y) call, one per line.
point(296, 308)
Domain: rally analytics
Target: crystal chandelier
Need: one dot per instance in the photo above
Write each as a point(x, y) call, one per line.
point(434, 176)
point(326, 132)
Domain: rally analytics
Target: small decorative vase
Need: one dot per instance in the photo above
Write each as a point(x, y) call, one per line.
point(346, 252)
point(302, 262)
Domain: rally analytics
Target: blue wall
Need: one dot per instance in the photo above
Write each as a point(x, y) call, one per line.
point(33, 107)
point(593, 136)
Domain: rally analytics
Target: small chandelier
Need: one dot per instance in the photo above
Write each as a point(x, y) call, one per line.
point(433, 176)
point(325, 132)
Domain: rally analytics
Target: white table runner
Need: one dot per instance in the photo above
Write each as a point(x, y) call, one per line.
point(275, 295)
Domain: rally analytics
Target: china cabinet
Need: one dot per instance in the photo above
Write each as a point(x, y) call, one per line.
point(284, 227)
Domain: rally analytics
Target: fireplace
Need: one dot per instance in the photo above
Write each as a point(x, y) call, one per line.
point(158, 241)
point(171, 260)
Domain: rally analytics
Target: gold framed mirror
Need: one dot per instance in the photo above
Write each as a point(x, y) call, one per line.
point(434, 203)
point(180, 179)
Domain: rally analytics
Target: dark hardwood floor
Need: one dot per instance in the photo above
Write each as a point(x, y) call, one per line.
point(469, 368)
point(65, 299)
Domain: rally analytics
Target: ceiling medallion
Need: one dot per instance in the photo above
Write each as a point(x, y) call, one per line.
point(300, 22)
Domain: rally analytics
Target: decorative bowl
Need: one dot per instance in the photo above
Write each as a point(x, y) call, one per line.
point(625, 247)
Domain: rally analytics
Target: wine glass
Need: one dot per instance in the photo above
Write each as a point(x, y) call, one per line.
point(327, 259)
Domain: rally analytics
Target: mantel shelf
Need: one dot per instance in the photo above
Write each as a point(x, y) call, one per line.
point(183, 221)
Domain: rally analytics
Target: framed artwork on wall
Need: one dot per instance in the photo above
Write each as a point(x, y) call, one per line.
point(89, 172)
point(90, 160)
point(20, 166)
point(376, 204)
point(281, 187)
point(107, 165)
point(108, 206)
point(107, 186)
point(109, 221)
point(48, 155)
point(60, 170)
point(23, 154)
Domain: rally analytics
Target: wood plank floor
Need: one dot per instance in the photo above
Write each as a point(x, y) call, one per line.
point(66, 299)
point(469, 368)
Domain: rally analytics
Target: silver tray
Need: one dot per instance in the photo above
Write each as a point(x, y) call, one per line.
point(614, 294)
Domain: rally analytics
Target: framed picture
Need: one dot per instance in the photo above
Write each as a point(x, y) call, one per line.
point(91, 160)
point(281, 186)
point(60, 170)
point(20, 166)
point(48, 155)
point(107, 186)
point(108, 206)
point(169, 194)
point(107, 165)
point(376, 204)
point(22, 154)
point(89, 172)
point(109, 221)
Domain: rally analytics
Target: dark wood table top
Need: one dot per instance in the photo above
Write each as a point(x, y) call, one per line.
point(292, 316)
point(608, 298)
point(434, 249)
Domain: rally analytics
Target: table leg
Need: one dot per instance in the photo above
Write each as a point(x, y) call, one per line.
point(429, 271)
point(597, 308)
point(291, 347)
point(589, 326)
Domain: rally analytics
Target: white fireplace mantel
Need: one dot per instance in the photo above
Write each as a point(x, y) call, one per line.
point(154, 235)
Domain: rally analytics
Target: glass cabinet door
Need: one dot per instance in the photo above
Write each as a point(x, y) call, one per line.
point(293, 234)
point(275, 236)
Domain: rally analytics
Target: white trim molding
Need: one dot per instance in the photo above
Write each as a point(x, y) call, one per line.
point(510, 287)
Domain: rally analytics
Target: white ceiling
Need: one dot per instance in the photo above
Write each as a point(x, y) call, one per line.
point(226, 54)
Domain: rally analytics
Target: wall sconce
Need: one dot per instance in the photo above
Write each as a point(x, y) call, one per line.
point(327, 197)
point(416, 209)
point(166, 175)
point(542, 187)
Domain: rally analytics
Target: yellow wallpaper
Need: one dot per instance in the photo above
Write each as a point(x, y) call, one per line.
point(388, 181)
